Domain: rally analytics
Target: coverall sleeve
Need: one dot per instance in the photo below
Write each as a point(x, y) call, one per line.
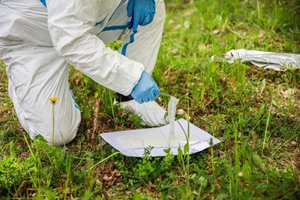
point(70, 23)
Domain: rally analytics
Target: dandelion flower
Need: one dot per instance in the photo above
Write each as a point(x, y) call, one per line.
point(53, 99)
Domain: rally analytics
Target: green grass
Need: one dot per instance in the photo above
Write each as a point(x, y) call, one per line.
point(254, 112)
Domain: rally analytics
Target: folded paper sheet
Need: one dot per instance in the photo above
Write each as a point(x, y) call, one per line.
point(134, 142)
point(268, 60)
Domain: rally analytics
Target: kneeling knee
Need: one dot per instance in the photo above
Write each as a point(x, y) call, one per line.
point(63, 132)
point(63, 135)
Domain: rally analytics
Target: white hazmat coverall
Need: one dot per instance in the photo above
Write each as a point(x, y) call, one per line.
point(37, 45)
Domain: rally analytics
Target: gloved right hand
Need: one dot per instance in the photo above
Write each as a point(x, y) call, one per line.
point(141, 11)
point(145, 90)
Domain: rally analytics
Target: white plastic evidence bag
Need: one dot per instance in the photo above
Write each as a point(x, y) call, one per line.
point(175, 135)
point(267, 60)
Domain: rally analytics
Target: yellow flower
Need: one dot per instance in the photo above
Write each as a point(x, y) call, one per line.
point(53, 99)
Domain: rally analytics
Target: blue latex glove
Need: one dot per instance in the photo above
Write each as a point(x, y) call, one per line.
point(145, 90)
point(141, 11)
point(44, 3)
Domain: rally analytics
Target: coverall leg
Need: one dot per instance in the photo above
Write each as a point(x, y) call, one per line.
point(142, 46)
point(36, 72)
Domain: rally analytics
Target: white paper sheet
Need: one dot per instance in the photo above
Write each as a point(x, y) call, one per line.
point(134, 142)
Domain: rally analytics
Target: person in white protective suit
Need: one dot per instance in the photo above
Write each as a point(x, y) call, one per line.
point(39, 39)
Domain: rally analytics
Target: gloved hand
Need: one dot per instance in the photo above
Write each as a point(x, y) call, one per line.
point(145, 90)
point(141, 11)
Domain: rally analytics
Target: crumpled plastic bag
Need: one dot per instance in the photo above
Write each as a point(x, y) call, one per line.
point(267, 60)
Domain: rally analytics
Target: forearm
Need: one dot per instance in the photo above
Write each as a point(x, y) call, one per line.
point(70, 32)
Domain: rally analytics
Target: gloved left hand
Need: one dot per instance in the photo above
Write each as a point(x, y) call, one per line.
point(145, 90)
point(141, 11)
